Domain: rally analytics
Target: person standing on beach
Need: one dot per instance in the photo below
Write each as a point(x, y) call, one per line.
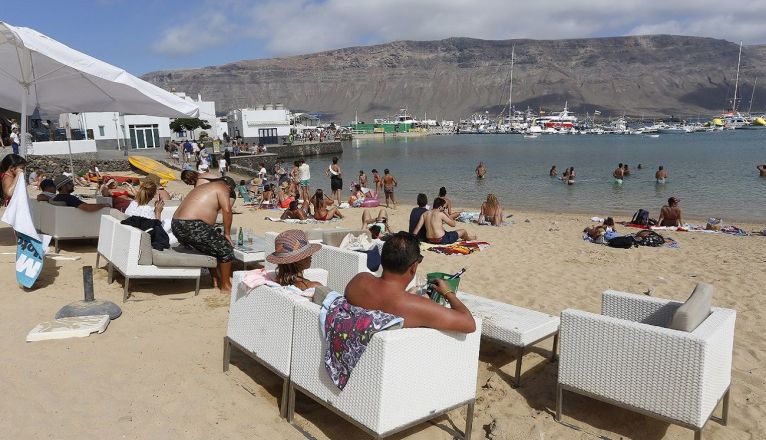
point(670, 214)
point(376, 181)
point(481, 170)
point(15, 142)
point(389, 182)
point(762, 169)
point(336, 179)
point(618, 174)
point(193, 225)
point(304, 177)
point(362, 179)
point(661, 175)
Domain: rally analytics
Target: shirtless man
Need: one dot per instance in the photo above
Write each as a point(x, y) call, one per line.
point(481, 170)
point(193, 225)
point(434, 221)
point(670, 214)
point(400, 259)
point(661, 175)
point(293, 212)
point(762, 169)
point(553, 172)
point(196, 179)
point(389, 182)
point(447, 203)
point(618, 174)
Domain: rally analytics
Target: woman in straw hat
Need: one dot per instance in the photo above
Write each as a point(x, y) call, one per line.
point(292, 255)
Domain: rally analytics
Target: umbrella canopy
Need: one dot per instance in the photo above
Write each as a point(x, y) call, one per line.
point(59, 79)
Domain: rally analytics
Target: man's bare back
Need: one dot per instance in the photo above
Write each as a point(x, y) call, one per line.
point(204, 202)
point(670, 216)
point(433, 221)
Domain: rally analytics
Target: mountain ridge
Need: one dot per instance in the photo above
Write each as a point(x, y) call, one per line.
point(651, 75)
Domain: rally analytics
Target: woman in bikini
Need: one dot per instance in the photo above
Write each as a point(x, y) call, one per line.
point(121, 197)
point(323, 209)
point(491, 211)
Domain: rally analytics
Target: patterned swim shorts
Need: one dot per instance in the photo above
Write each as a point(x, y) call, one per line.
point(203, 238)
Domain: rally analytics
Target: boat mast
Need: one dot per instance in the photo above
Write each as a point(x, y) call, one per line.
point(510, 94)
point(752, 96)
point(736, 82)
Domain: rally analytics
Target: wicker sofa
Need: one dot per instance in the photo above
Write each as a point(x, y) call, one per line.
point(627, 357)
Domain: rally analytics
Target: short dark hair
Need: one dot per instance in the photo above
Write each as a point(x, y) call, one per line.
point(661, 168)
point(297, 163)
point(439, 202)
point(609, 221)
point(335, 159)
point(619, 165)
point(422, 200)
point(400, 251)
point(442, 192)
point(374, 170)
point(293, 205)
point(385, 171)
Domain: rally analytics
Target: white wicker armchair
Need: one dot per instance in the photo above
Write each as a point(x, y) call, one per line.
point(626, 357)
point(400, 380)
point(341, 265)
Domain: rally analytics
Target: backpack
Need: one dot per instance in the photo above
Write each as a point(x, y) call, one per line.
point(641, 217)
point(649, 238)
point(623, 242)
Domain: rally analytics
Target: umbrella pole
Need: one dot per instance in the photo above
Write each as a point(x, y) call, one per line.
point(69, 145)
point(23, 131)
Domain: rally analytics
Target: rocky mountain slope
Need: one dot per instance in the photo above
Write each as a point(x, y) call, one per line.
point(655, 75)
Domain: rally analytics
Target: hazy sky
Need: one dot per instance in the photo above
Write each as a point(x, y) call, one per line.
point(145, 35)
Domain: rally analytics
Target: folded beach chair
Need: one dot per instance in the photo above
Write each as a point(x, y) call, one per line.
point(245, 195)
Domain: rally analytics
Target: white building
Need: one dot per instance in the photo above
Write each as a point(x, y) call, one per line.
point(111, 130)
point(265, 124)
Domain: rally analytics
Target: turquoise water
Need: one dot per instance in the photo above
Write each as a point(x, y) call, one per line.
point(714, 174)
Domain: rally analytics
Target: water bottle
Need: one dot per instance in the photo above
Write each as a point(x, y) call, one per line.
point(240, 237)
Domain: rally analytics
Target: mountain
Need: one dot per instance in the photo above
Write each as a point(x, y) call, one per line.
point(653, 75)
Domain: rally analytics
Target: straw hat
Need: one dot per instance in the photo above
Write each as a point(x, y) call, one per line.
point(292, 246)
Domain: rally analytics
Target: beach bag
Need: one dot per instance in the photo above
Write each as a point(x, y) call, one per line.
point(641, 217)
point(623, 242)
point(649, 238)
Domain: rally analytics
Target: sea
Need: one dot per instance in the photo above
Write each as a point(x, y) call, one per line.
point(713, 173)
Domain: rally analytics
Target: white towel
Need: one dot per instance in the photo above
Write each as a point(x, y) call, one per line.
point(17, 213)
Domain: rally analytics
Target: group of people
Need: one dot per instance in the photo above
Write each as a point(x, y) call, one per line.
point(567, 177)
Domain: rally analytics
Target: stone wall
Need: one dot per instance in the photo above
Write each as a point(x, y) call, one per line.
point(54, 166)
point(306, 149)
point(249, 165)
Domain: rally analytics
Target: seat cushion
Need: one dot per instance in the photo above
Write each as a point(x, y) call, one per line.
point(695, 310)
point(145, 257)
point(335, 238)
point(181, 256)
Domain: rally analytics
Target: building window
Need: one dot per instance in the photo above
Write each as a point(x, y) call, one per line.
point(268, 136)
point(101, 131)
point(144, 136)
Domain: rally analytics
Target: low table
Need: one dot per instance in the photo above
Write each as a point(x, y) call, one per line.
point(250, 253)
point(512, 326)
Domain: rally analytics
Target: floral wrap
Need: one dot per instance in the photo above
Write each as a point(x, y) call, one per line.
point(347, 331)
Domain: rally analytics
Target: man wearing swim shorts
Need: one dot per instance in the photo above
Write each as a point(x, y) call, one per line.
point(389, 182)
point(193, 225)
point(661, 175)
point(434, 221)
point(304, 176)
point(618, 174)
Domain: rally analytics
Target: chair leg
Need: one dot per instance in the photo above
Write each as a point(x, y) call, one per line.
point(110, 273)
point(56, 245)
point(226, 353)
point(559, 402)
point(725, 411)
point(283, 402)
point(555, 349)
point(519, 356)
point(290, 402)
point(196, 288)
point(698, 434)
point(98, 256)
point(469, 421)
point(125, 293)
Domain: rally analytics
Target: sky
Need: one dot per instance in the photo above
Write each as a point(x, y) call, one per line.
point(141, 36)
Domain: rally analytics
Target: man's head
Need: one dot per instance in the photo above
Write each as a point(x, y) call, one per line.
point(619, 165)
point(439, 203)
point(297, 163)
point(48, 185)
point(293, 205)
point(609, 221)
point(401, 254)
point(64, 185)
point(375, 231)
point(335, 160)
point(422, 200)
point(374, 171)
point(673, 201)
point(385, 171)
point(189, 177)
point(442, 192)
point(661, 168)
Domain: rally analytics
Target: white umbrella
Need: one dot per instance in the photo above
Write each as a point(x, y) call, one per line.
point(60, 79)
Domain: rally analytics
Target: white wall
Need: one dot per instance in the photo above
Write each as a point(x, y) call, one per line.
point(248, 121)
point(58, 148)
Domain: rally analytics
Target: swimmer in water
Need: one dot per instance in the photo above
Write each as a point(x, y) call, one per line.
point(661, 175)
point(571, 177)
point(553, 172)
point(762, 169)
point(618, 174)
point(481, 170)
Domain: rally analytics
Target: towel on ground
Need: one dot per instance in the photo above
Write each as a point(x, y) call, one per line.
point(460, 248)
point(308, 221)
point(347, 330)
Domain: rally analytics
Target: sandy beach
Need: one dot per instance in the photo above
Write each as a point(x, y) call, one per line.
point(157, 370)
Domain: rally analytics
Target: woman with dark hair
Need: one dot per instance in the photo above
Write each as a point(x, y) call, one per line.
point(322, 207)
point(10, 167)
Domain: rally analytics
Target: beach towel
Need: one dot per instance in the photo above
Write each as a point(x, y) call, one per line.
point(460, 248)
point(347, 329)
point(473, 217)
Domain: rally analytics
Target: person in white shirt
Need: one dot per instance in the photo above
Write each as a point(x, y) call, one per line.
point(142, 207)
point(15, 140)
point(304, 177)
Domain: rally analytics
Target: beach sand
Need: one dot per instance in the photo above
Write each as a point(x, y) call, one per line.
point(157, 370)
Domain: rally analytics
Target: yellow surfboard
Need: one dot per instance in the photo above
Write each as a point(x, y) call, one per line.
point(151, 166)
